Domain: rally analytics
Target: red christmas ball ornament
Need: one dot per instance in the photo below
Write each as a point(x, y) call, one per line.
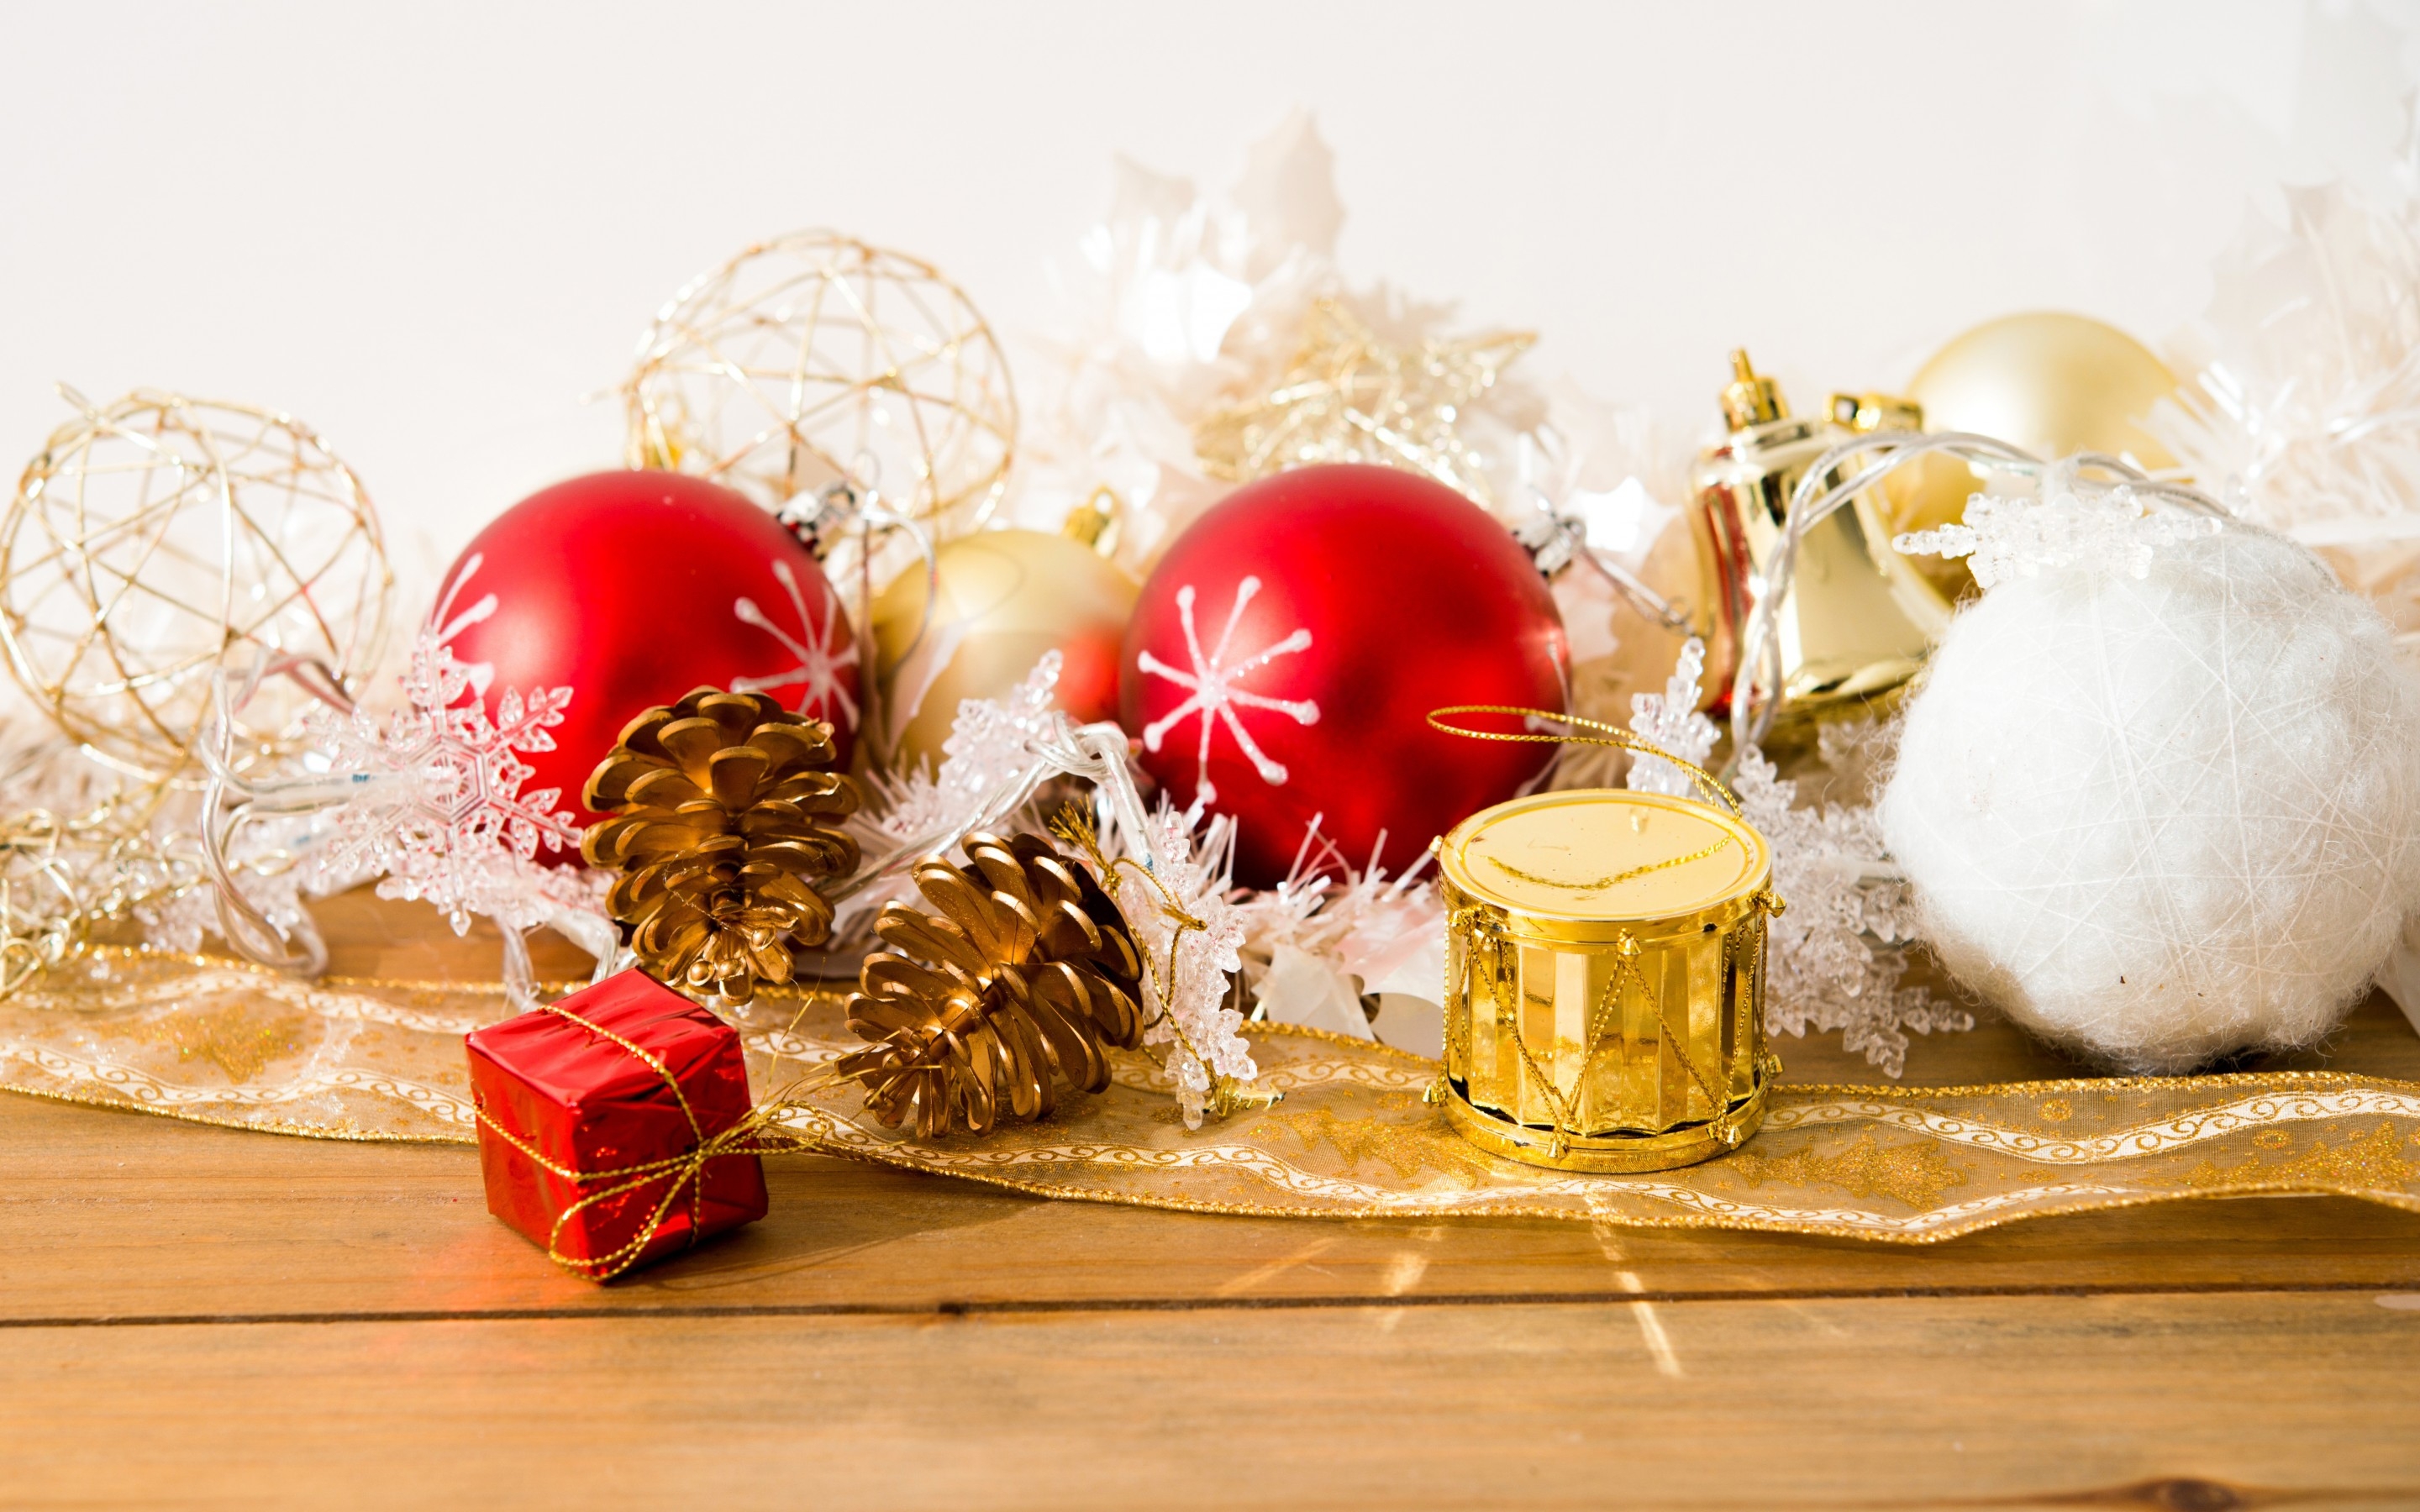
point(1284, 656)
point(632, 589)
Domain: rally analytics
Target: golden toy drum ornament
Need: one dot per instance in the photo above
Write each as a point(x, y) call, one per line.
point(1604, 979)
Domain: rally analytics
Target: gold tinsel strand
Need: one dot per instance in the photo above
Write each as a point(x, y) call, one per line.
point(1348, 397)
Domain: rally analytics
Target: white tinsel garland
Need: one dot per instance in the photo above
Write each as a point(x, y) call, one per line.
point(1181, 304)
point(1176, 900)
point(2305, 416)
point(1317, 943)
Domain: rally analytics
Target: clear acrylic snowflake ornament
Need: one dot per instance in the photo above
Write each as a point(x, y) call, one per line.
point(439, 813)
point(428, 800)
point(2072, 523)
point(1834, 957)
point(1671, 721)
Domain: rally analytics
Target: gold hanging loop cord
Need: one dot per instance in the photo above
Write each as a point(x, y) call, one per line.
point(1599, 734)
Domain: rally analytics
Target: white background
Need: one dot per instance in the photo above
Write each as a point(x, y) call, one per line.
point(435, 231)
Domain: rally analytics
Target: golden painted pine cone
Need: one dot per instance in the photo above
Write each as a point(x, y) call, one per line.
point(1028, 969)
point(724, 819)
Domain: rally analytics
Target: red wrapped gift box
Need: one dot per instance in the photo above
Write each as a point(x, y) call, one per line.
point(614, 1126)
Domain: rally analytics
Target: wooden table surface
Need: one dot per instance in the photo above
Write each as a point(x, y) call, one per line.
point(197, 1316)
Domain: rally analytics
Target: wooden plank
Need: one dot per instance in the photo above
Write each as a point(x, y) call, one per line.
point(359, 1330)
point(371, 937)
point(2174, 1401)
point(115, 1214)
point(118, 1214)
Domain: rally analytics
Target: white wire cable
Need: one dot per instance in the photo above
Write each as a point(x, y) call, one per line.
point(1756, 687)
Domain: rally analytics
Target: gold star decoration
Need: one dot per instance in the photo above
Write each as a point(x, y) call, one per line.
point(1348, 397)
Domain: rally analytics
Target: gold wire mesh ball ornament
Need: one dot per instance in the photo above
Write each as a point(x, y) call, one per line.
point(815, 358)
point(155, 540)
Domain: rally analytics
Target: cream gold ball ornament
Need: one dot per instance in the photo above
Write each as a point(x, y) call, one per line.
point(2050, 382)
point(1003, 599)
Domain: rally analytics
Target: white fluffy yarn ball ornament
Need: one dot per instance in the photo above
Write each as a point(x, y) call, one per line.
point(2159, 805)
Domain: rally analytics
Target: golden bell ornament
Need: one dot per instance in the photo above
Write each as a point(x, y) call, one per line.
point(2052, 383)
point(1860, 618)
point(1003, 599)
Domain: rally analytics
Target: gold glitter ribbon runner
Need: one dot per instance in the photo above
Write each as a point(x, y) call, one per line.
point(220, 1043)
